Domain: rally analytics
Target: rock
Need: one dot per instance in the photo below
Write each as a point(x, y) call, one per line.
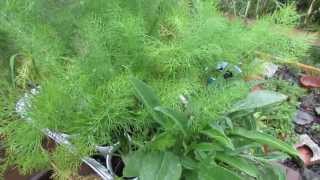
point(310, 81)
point(310, 175)
point(317, 110)
point(309, 151)
point(310, 101)
point(303, 118)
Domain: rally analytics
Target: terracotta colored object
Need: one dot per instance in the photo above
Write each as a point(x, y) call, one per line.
point(308, 150)
point(305, 154)
point(310, 81)
point(257, 88)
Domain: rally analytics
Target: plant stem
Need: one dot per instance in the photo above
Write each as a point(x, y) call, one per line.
point(309, 11)
point(247, 9)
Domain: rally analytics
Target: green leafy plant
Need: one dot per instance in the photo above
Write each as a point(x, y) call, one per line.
point(287, 15)
point(212, 148)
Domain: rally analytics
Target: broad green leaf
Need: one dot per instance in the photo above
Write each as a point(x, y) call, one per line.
point(208, 147)
point(279, 172)
point(259, 99)
point(188, 163)
point(271, 171)
point(240, 163)
point(219, 136)
point(160, 166)
point(163, 141)
point(178, 118)
point(215, 172)
point(133, 163)
point(148, 97)
point(266, 139)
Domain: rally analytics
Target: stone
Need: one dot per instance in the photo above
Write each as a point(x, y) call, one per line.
point(310, 81)
point(317, 110)
point(309, 175)
point(303, 118)
point(305, 144)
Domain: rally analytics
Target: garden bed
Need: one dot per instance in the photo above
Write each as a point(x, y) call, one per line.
point(146, 89)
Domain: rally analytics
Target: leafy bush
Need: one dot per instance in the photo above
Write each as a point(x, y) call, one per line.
point(287, 16)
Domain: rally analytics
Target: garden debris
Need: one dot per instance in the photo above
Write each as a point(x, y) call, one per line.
point(237, 69)
point(228, 69)
point(183, 99)
point(309, 151)
point(211, 80)
point(310, 102)
point(24, 103)
point(303, 118)
point(288, 74)
point(310, 81)
point(222, 66)
point(270, 69)
point(227, 74)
